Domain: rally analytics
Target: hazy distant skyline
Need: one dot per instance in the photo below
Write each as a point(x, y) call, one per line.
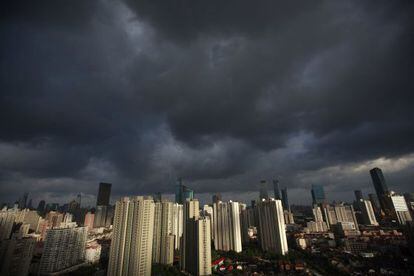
point(221, 93)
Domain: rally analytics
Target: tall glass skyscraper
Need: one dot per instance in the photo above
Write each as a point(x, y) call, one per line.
point(318, 194)
point(285, 200)
point(276, 189)
point(182, 192)
point(381, 189)
point(104, 194)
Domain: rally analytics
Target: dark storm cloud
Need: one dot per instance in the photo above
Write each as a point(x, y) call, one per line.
point(221, 93)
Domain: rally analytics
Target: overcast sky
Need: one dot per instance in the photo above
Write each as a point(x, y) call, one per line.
point(221, 93)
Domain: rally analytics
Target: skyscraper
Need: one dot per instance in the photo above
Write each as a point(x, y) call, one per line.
point(358, 195)
point(263, 190)
point(163, 228)
point(381, 189)
point(368, 215)
point(104, 194)
point(272, 229)
point(41, 206)
point(285, 200)
point(318, 194)
point(198, 261)
point(131, 245)
point(276, 189)
point(182, 192)
point(227, 230)
point(216, 197)
point(191, 209)
point(178, 225)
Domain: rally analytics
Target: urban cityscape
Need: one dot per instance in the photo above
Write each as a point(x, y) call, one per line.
point(150, 235)
point(209, 137)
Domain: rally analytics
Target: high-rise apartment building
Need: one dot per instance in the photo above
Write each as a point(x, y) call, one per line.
point(63, 248)
point(191, 210)
point(104, 194)
point(131, 245)
point(198, 261)
point(272, 229)
point(367, 212)
point(163, 229)
point(16, 255)
point(227, 229)
point(178, 225)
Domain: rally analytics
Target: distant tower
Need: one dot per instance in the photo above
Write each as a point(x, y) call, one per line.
point(104, 194)
point(79, 199)
point(276, 189)
point(318, 194)
point(285, 200)
point(182, 192)
point(381, 189)
point(263, 190)
point(358, 195)
point(216, 198)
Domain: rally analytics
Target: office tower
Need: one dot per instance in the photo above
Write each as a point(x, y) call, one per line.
point(381, 189)
point(178, 225)
point(7, 218)
point(318, 194)
point(131, 245)
point(263, 190)
point(182, 192)
point(63, 248)
point(163, 228)
point(227, 232)
point(285, 200)
point(190, 211)
point(198, 260)
point(41, 206)
point(400, 209)
point(272, 229)
point(276, 189)
point(216, 198)
point(16, 255)
point(89, 218)
point(358, 195)
point(104, 194)
point(367, 212)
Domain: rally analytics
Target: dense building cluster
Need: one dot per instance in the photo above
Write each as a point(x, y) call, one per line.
point(142, 233)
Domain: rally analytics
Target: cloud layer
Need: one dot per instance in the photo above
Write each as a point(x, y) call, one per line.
point(222, 94)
